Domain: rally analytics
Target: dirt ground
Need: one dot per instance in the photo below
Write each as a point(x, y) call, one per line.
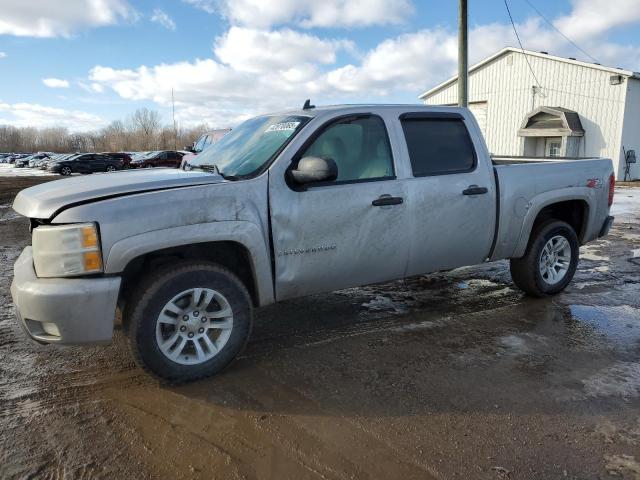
point(454, 375)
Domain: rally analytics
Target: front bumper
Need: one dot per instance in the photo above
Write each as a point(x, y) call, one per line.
point(66, 311)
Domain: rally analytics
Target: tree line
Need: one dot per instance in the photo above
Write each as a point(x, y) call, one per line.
point(139, 132)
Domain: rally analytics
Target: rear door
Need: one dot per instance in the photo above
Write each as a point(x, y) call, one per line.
point(99, 163)
point(451, 195)
point(344, 233)
point(173, 159)
point(161, 160)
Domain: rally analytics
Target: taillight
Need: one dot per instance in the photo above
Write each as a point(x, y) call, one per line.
point(612, 188)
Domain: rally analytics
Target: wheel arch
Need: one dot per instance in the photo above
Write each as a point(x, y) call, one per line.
point(236, 247)
point(574, 209)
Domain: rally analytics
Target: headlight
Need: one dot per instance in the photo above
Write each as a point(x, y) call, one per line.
point(66, 250)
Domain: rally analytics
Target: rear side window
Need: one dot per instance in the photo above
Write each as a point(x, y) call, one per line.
point(438, 146)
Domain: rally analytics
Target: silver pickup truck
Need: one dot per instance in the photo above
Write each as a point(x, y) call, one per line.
point(286, 205)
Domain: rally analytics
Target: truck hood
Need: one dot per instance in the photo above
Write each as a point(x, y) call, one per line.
point(45, 200)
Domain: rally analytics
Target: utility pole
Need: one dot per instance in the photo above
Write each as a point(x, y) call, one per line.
point(173, 114)
point(463, 56)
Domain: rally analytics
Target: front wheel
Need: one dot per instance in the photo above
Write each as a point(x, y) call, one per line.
point(66, 171)
point(188, 321)
point(550, 260)
point(111, 168)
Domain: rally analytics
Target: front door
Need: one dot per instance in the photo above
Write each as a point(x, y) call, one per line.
point(82, 163)
point(343, 233)
point(553, 146)
point(452, 197)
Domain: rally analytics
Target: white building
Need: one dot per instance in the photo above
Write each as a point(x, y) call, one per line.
point(577, 109)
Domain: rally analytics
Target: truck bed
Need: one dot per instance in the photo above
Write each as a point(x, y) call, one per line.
point(527, 185)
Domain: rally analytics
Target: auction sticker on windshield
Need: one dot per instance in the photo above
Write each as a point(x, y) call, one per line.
point(282, 127)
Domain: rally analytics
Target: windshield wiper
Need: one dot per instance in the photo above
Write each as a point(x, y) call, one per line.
point(212, 168)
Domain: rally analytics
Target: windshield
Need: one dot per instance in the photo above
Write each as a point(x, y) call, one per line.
point(250, 146)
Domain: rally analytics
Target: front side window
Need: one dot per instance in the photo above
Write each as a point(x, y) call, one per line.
point(251, 146)
point(438, 146)
point(358, 145)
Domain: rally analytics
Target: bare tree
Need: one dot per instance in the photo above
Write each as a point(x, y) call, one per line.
point(147, 123)
point(141, 131)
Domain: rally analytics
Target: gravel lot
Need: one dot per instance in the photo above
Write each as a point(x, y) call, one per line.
point(454, 375)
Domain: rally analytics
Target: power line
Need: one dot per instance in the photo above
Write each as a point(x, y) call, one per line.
point(560, 32)
point(526, 57)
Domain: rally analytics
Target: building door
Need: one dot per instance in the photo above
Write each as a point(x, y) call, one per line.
point(479, 110)
point(553, 147)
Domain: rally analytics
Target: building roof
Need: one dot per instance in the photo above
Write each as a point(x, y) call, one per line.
point(504, 51)
point(544, 121)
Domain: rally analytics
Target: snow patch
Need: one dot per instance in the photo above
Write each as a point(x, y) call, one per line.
point(412, 327)
point(622, 379)
point(8, 170)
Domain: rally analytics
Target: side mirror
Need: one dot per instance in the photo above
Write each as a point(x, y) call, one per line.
point(315, 169)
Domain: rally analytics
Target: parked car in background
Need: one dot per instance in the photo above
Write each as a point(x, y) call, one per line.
point(35, 159)
point(125, 158)
point(203, 142)
point(22, 162)
point(55, 158)
point(85, 163)
point(16, 156)
point(161, 158)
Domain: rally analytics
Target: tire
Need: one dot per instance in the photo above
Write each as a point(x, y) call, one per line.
point(540, 276)
point(148, 165)
point(66, 171)
point(110, 168)
point(148, 310)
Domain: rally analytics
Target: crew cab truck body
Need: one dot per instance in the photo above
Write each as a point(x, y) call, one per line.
point(288, 205)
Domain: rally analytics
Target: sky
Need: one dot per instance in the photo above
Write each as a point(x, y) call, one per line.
point(81, 64)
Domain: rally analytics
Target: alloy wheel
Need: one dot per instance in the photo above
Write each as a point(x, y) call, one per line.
point(555, 260)
point(194, 326)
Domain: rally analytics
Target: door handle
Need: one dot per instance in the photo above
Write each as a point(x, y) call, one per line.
point(475, 190)
point(385, 200)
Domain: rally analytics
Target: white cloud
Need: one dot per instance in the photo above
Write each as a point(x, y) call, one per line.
point(250, 50)
point(400, 64)
point(314, 13)
point(33, 114)
point(162, 18)
point(206, 5)
point(257, 70)
point(37, 18)
point(55, 83)
point(592, 18)
point(3, 55)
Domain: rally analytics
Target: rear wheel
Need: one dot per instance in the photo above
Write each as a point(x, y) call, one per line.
point(188, 321)
point(110, 168)
point(66, 171)
point(550, 260)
